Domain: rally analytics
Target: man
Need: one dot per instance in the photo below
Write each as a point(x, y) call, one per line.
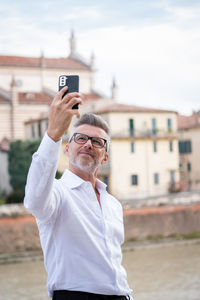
point(80, 224)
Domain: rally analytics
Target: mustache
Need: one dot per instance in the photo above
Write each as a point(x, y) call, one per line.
point(90, 152)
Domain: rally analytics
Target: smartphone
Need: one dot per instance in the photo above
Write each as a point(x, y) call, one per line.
point(72, 81)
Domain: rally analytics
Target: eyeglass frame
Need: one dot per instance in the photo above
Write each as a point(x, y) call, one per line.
point(89, 138)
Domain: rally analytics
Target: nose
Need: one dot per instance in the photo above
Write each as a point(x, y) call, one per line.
point(88, 144)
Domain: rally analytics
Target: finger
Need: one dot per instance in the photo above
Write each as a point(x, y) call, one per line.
point(60, 94)
point(69, 96)
point(72, 102)
point(62, 91)
point(76, 113)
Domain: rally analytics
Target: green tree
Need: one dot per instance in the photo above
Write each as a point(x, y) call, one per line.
point(19, 158)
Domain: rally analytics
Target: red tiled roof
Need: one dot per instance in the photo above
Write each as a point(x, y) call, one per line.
point(31, 97)
point(43, 116)
point(130, 108)
point(186, 122)
point(61, 63)
point(3, 100)
point(90, 97)
point(87, 98)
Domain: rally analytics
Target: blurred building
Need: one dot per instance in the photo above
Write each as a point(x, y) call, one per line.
point(144, 157)
point(189, 150)
point(28, 85)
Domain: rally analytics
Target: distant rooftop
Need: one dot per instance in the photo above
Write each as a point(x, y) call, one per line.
point(32, 97)
point(186, 122)
point(37, 62)
point(44, 97)
point(130, 108)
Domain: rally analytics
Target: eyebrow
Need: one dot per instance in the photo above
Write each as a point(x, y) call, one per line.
point(91, 136)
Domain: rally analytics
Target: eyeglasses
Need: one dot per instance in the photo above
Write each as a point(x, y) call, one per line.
point(81, 138)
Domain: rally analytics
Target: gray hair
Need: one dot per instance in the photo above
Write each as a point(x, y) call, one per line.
point(93, 120)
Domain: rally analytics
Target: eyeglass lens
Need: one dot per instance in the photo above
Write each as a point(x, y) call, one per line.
point(83, 138)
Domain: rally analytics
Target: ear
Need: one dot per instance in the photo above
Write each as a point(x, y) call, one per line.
point(104, 160)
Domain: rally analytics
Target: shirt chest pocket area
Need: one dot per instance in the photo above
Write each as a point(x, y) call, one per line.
point(82, 220)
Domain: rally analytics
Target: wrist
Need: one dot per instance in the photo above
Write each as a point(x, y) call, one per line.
point(54, 135)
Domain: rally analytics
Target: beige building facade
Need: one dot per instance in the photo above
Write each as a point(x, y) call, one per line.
point(28, 85)
point(189, 148)
point(144, 158)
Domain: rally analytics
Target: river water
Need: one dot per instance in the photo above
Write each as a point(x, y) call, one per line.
point(169, 273)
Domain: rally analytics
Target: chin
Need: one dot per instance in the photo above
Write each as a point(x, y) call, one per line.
point(87, 167)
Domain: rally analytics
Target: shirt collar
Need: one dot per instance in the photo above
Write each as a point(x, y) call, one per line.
point(73, 181)
point(101, 185)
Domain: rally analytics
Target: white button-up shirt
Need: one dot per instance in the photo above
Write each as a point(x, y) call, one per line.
point(81, 240)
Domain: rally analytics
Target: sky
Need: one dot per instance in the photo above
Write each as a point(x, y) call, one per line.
point(150, 47)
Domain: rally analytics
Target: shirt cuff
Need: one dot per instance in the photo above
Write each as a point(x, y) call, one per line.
point(49, 149)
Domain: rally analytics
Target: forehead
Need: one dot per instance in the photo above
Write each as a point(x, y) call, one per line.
point(91, 131)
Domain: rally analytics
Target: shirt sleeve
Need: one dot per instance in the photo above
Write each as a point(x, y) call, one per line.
point(41, 199)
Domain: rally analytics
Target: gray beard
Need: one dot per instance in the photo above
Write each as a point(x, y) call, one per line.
point(90, 167)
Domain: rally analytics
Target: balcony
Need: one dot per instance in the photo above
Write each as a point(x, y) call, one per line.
point(177, 186)
point(143, 134)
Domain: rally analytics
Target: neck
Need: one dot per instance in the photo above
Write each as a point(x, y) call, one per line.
point(84, 174)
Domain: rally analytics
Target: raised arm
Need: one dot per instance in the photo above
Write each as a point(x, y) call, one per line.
point(40, 197)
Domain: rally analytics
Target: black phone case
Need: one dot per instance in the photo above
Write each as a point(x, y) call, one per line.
point(72, 81)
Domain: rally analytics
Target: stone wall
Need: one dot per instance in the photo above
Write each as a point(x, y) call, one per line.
point(165, 221)
point(20, 233)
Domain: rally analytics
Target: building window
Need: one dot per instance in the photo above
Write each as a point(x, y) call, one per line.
point(171, 146)
point(172, 176)
point(169, 125)
point(154, 126)
point(189, 167)
point(32, 130)
point(132, 147)
point(131, 127)
point(39, 130)
point(172, 185)
point(156, 178)
point(155, 147)
point(185, 147)
point(134, 180)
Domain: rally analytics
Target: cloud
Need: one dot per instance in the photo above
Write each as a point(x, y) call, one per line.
point(156, 65)
point(152, 47)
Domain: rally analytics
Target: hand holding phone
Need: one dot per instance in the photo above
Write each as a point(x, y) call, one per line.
point(72, 81)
